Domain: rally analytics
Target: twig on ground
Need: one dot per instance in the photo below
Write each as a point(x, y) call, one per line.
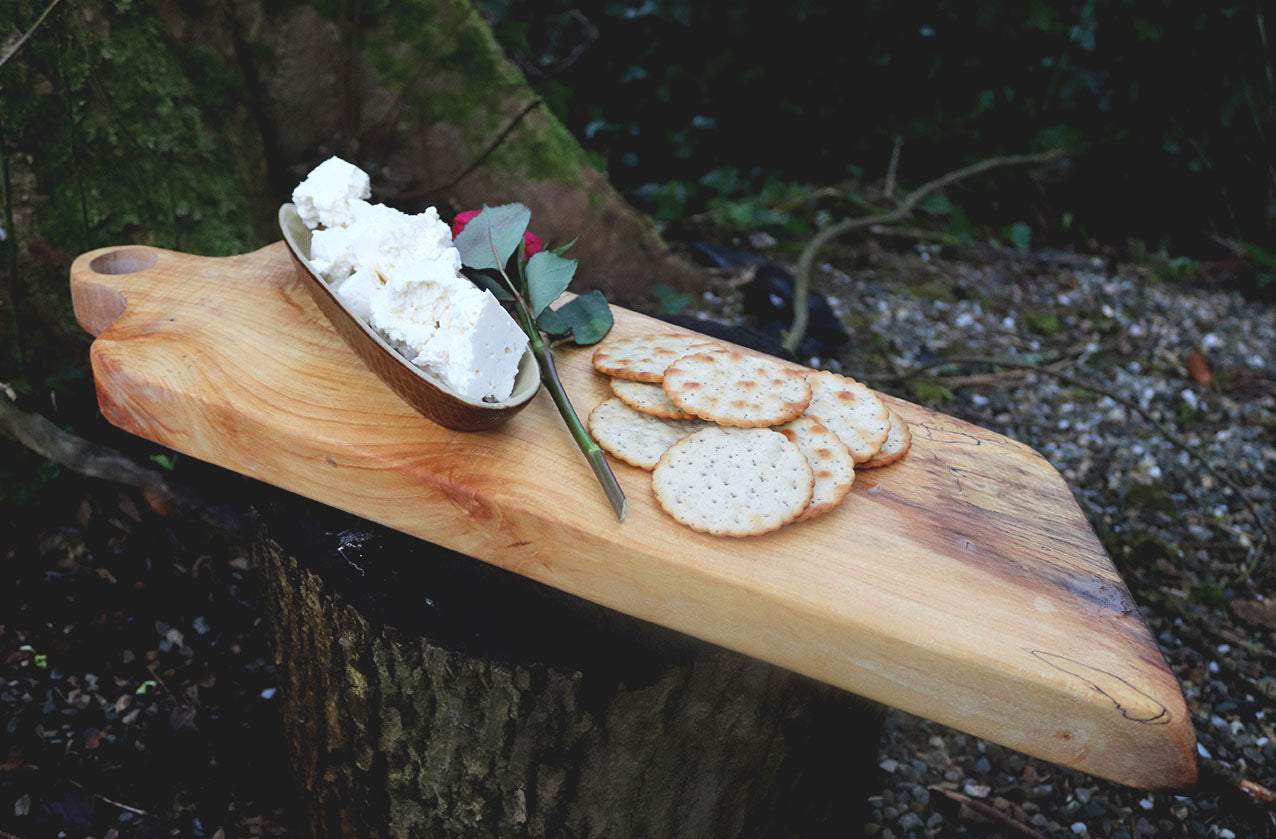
point(1233, 789)
point(989, 812)
point(892, 167)
point(1266, 540)
point(1262, 796)
point(135, 810)
point(802, 278)
point(908, 233)
point(43, 437)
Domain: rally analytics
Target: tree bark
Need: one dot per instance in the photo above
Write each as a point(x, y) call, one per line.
point(424, 98)
point(427, 694)
point(186, 125)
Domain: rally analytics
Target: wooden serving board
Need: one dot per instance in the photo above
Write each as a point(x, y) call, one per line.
point(962, 584)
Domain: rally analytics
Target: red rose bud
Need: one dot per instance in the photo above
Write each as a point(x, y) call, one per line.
point(531, 242)
point(462, 219)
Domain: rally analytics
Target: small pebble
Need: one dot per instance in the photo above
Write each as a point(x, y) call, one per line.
point(977, 790)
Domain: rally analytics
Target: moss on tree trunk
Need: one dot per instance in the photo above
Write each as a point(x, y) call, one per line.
point(423, 96)
point(186, 125)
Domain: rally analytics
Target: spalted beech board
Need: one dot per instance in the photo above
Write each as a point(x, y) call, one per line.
point(962, 583)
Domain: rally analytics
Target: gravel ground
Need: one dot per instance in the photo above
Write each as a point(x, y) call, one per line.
point(136, 682)
point(1186, 544)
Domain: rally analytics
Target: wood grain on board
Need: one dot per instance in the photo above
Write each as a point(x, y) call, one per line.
point(962, 584)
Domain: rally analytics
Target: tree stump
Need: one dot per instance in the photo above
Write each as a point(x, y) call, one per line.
point(425, 693)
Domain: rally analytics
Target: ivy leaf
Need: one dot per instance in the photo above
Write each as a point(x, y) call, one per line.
point(671, 302)
point(548, 276)
point(586, 318)
point(1020, 236)
point(937, 204)
point(493, 235)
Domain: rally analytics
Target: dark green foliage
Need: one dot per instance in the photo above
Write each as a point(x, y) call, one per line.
point(1213, 596)
point(128, 134)
point(1150, 497)
point(929, 392)
point(1043, 323)
point(1167, 110)
point(671, 302)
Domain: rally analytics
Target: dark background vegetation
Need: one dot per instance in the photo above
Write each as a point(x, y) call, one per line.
point(721, 120)
point(1167, 110)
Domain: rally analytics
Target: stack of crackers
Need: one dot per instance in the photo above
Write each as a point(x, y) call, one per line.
point(739, 444)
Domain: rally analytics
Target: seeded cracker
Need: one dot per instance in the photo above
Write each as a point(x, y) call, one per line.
point(733, 388)
point(851, 411)
point(638, 439)
point(643, 358)
point(828, 458)
point(897, 444)
point(647, 398)
point(733, 481)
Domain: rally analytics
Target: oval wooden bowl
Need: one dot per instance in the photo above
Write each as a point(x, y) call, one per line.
point(426, 394)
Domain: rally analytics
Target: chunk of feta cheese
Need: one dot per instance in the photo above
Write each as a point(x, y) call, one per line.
point(384, 238)
point(401, 275)
point(450, 328)
point(357, 290)
point(330, 247)
point(477, 349)
point(325, 196)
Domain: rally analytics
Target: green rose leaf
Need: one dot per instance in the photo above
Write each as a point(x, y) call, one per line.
point(493, 235)
point(587, 319)
point(548, 276)
point(491, 281)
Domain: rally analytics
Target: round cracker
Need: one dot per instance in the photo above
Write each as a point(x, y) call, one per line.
point(732, 388)
point(638, 439)
point(647, 398)
point(733, 481)
point(897, 444)
point(851, 411)
point(643, 358)
point(829, 458)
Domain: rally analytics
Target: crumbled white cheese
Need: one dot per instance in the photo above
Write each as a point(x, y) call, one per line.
point(401, 274)
point(325, 196)
point(384, 238)
point(356, 292)
point(451, 328)
point(330, 251)
point(410, 307)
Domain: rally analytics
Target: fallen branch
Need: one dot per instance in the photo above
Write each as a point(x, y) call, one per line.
point(1234, 790)
point(1260, 794)
point(121, 805)
point(989, 812)
point(802, 279)
point(43, 437)
point(892, 168)
point(1266, 541)
point(478, 161)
